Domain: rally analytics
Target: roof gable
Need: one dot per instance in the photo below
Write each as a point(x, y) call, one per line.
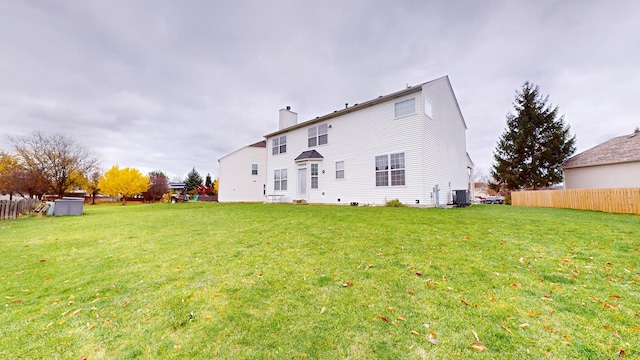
point(621, 149)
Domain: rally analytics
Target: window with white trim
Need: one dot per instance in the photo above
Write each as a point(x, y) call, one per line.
point(279, 145)
point(280, 179)
point(314, 176)
point(318, 135)
point(428, 108)
point(339, 169)
point(254, 169)
point(405, 107)
point(390, 170)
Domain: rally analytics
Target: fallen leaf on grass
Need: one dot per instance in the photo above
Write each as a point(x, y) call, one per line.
point(18, 301)
point(522, 326)
point(43, 260)
point(217, 294)
point(548, 328)
point(633, 327)
point(617, 297)
point(176, 346)
point(610, 306)
point(402, 317)
point(546, 298)
point(615, 333)
point(475, 334)
point(419, 273)
point(432, 338)
point(347, 284)
point(409, 291)
point(208, 317)
point(464, 302)
point(324, 308)
point(125, 303)
point(384, 319)
point(75, 312)
point(478, 346)
point(390, 308)
point(507, 328)
point(415, 333)
point(112, 287)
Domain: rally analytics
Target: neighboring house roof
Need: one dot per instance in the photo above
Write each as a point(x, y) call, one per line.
point(309, 154)
point(621, 149)
point(378, 100)
point(177, 186)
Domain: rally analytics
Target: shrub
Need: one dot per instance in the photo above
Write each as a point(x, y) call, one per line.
point(395, 203)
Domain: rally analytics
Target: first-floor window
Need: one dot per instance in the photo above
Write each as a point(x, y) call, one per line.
point(390, 170)
point(280, 179)
point(254, 169)
point(339, 169)
point(314, 176)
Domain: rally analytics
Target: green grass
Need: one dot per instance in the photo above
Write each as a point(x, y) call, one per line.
point(202, 280)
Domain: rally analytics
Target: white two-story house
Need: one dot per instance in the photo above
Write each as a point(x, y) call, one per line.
point(409, 145)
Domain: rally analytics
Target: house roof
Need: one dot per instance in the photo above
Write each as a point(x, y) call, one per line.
point(366, 104)
point(259, 144)
point(621, 149)
point(262, 143)
point(309, 154)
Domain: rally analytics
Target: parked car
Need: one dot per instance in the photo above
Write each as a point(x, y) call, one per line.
point(494, 200)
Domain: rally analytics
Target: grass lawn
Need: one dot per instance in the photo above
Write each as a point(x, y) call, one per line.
point(206, 280)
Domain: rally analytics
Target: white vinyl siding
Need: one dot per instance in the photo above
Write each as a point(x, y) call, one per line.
point(405, 107)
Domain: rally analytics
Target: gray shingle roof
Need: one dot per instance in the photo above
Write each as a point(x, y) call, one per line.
point(309, 154)
point(617, 150)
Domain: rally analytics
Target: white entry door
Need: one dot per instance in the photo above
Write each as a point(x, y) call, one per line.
point(302, 183)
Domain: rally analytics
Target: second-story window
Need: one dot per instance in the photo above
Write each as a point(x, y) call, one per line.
point(318, 135)
point(279, 145)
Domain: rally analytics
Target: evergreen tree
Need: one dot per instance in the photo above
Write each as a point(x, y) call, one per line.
point(534, 145)
point(207, 181)
point(193, 180)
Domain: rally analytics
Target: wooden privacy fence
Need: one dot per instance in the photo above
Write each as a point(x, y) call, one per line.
point(12, 209)
point(623, 200)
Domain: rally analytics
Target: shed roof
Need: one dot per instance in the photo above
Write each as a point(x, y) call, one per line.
point(620, 149)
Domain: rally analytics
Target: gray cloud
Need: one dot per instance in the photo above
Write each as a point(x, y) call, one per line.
point(174, 85)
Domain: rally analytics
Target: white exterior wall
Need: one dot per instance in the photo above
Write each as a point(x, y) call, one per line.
point(236, 183)
point(625, 175)
point(445, 142)
point(435, 153)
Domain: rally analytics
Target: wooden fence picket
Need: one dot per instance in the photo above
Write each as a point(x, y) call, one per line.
point(623, 200)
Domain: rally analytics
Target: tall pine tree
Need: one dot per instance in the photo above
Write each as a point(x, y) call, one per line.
point(193, 180)
point(534, 145)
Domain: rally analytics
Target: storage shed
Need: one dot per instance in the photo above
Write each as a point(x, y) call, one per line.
point(68, 206)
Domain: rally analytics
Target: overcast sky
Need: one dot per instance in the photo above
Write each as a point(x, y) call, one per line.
point(173, 85)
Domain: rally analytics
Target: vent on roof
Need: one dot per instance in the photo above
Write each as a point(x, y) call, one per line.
point(632, 135)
